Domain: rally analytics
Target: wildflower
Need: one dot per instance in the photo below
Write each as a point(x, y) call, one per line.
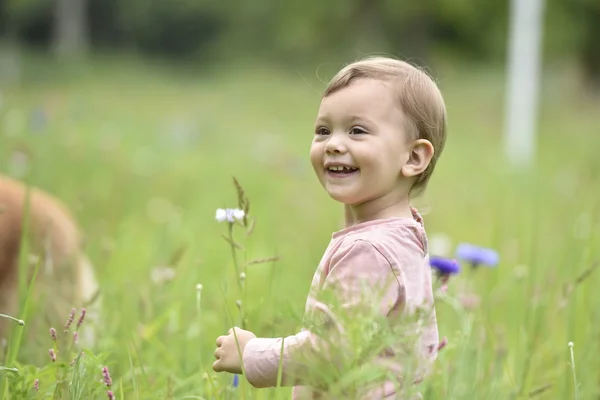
point(36, 385)
point(52, 355)
point(242, 277)
point(229, 214)
point(236, 380)
point(476, 255)
point(53, 334)
point(106, 375)
point(444, 267)
point(238, 303)
point(70, 320)
point(81, 318)
point(75, 337)
point(110, 394)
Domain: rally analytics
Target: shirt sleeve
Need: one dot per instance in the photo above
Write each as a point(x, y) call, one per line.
point(357, 270)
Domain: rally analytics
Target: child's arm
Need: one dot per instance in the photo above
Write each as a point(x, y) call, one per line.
point(356, 266)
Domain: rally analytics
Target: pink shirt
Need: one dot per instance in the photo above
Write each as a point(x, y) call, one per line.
point(388, 251)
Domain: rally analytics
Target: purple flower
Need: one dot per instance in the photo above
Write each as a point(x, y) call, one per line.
point(70, 320)
point(444, 266)
point(81, 318)
point(236, 380)
point(106, 376)
point(476, 255)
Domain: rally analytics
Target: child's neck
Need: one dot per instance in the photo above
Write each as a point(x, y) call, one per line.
point(377, 209)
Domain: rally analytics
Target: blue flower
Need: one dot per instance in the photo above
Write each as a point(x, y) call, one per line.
point(476, 255)
point(236, 380)
point(444, 266)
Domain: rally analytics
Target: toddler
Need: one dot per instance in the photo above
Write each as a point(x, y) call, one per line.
point(379, 132)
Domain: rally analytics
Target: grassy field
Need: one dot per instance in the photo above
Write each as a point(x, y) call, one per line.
point(145, 155)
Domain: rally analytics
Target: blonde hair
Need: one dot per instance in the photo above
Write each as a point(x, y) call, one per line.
point(418, 97)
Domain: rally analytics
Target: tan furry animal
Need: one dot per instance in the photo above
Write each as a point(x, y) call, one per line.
point(65, 276)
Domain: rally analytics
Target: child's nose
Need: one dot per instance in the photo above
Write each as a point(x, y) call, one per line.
point(335, 144)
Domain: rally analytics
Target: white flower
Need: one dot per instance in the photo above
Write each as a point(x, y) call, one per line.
point(238, 214)
point(229, 214)
point(221, 215)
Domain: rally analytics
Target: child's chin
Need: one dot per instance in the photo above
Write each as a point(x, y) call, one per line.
point(344, 198)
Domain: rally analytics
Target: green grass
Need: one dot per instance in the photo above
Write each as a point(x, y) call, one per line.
point(145, 155)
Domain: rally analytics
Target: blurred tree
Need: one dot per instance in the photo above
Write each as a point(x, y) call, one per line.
point(178, 28)
point(29, 21)
point(296, 31)
point(587, 13)
point(3, 17)
point(409, 28)
point(70, 29)
point(369, 31)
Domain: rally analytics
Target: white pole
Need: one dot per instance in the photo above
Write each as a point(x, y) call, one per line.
point(524, 51)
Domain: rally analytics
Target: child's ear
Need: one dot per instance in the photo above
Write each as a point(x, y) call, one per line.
point(419, 158)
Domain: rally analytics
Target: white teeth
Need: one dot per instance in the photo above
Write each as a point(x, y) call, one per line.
point(340, 168)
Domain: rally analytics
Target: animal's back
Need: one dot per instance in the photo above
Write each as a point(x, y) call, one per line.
point(54, 238)
point(49, 219)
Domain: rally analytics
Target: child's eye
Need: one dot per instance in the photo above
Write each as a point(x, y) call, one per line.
point(322, 131)
point(357, 131)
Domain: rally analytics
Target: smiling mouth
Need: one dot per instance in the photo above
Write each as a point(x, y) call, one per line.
point(341, 170)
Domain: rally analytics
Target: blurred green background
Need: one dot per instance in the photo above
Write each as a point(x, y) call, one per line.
point(138, 113)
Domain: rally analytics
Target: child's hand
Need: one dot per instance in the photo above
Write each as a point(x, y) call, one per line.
point(228, 358)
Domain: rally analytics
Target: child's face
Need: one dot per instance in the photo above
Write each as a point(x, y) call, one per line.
point(360, 128)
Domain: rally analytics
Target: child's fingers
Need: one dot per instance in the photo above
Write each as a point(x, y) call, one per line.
point(220, 340)
point(218, 353)
point(217, 366)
